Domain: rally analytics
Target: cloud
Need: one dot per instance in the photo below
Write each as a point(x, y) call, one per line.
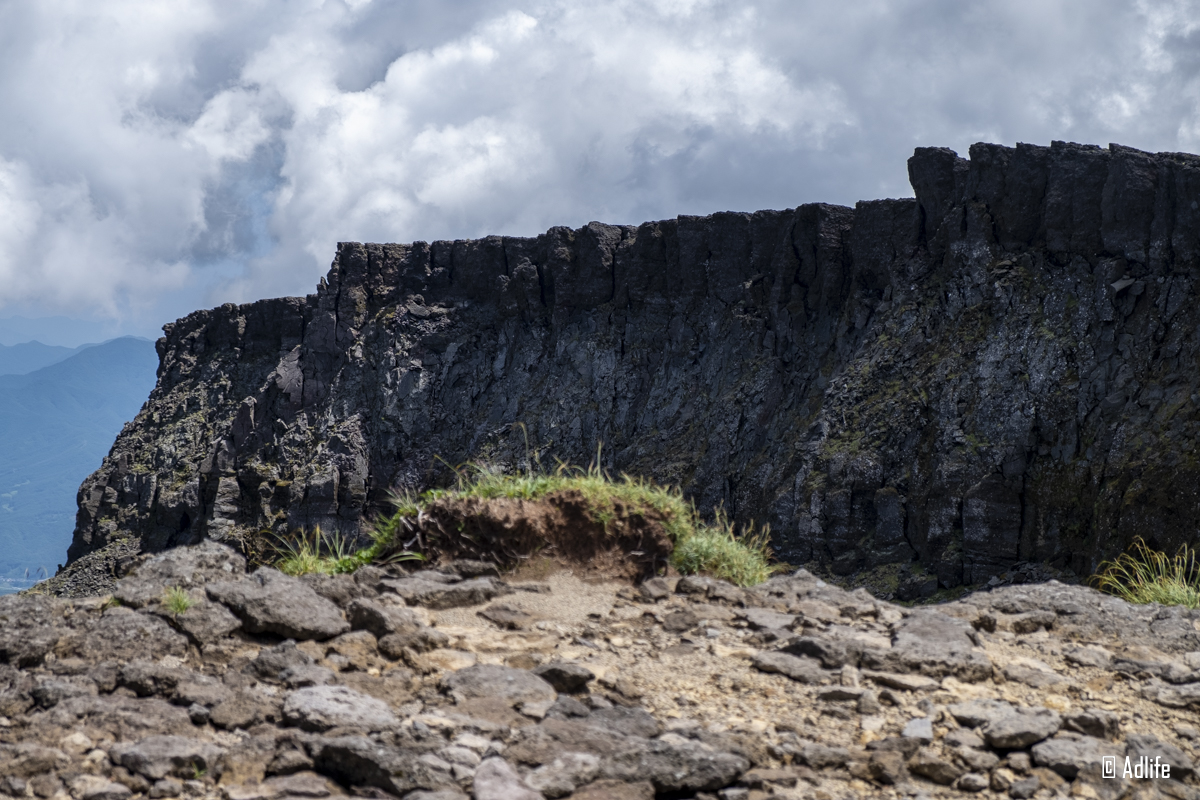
point(157, 160)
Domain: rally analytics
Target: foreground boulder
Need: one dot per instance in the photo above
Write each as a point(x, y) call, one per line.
point(271, 602)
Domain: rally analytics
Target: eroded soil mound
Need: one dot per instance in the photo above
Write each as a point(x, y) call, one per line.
point(622, 540)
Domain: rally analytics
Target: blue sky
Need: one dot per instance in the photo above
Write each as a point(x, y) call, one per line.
point(161, 157)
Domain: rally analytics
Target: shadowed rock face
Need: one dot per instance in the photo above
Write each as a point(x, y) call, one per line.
point(1002, 369)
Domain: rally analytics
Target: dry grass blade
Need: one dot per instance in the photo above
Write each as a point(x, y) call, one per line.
point(1145, 575)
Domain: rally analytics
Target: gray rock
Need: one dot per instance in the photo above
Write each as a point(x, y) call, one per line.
point(272, 662)
point(920, 729)
point(819, 756)
point(680, 621)
point(832, 652)
point(625, 721)
point(149, 678)
point(1184, 696)
point(473, 568)
point(360, 761)
point(798, 668)
point(436, 595)
point(496, 780)
point(516, 687)
point(1088, 656)
point(972, 782)
point(961, 737)
point(507, 616)
point(1150, 747)
point(887, 767)
point(975, 713)
point(1020, 727)
point(1068, 753)
point(564, 775)
point(761, 618)
point(381, 620)
point(28, 760)
point(50, 692)
point(1093, 722)
point(674, 766)
point(896, 680)
point(341, 590)
point(976, 760)
point(420, 640)
point(1024, 788)
point(566, 707)
point(121, 635)
point(319, 708)
point(565, 676)
point(931, 763)
point(270, 602)
point(125, 717)
point(933, 644)
point(92, 787)
point(167, 787)
point(206, 622)
point(1032, 676)
point(30, 626)
point(655, 589)
point(244, 709)
point(157, 757)
point(308, 675)
point(183, 567)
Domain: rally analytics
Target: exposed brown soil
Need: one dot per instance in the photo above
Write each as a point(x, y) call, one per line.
point(561, 526)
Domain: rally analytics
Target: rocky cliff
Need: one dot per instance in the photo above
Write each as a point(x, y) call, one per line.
point(1001, 369)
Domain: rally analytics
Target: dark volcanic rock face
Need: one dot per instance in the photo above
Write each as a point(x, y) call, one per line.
point(1000, 370)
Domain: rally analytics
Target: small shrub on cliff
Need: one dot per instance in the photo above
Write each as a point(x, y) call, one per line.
point(1151, 576)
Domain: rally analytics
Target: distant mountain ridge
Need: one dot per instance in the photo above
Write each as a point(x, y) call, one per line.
point(57, 424)
point(57, 331)
point(26, 357)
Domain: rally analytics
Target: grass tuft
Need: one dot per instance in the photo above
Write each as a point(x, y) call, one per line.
point(331, 555)
point(1151, 576)
point(716, 550)
point(177, 601)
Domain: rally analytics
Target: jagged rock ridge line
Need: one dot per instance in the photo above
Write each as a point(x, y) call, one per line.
point(1001, 369)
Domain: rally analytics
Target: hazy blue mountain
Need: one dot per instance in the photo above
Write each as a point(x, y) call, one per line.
point(56, 425)
point(19, 359)
point(56, 331)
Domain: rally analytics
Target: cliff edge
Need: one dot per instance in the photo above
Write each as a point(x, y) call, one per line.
point(1002, 369)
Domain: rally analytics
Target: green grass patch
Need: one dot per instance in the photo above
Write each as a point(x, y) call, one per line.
point(332, 555)
point(177, 601)
point(1151, 576)
point(744, 560)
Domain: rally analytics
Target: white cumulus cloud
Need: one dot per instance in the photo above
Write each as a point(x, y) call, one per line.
point(158, 158)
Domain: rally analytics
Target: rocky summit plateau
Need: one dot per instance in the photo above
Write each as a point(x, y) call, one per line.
point(454, 681)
